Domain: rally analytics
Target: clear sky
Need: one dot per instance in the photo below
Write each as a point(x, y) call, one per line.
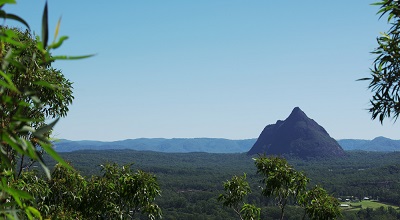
point(214, 68)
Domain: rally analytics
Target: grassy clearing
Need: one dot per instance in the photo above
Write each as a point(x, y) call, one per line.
point(355, 206)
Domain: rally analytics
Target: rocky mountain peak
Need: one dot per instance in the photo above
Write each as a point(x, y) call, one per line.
point(297, 114)
point(297, 135)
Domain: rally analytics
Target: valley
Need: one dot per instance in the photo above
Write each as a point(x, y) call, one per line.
point(191, 182)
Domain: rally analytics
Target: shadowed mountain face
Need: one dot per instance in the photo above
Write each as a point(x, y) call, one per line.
point(298, 135)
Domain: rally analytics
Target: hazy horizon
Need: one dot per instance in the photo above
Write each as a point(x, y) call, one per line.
point(201, 138)
point(221, 69)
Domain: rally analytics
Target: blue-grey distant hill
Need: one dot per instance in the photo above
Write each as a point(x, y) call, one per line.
point(377, 144)
point(210, 145)
point(174, 145)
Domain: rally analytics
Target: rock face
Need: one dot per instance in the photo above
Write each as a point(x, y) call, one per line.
point(298, 136)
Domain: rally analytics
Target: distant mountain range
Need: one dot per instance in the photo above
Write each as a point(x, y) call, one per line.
point(174, 145)
point(377, 144)
point(210, 145)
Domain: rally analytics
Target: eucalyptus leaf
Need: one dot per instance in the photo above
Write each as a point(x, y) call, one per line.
point(45, 169)
point(57, 44)
point(17, 18)
point(44, 84)
point(34, 211)
point(72, 57)
point(55, 155)
point(45, 26)
point(2, 2)
point(39, 132)
point(57, 29)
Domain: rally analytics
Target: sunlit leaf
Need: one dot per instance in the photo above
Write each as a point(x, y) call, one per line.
point(44, 84)
point(12, 142)
point(8, 39)
point(34, 211)
point(2, 2)
point(72, 57)
point(57, 29)
point(9, 83)
point(57, 44)
point(17, 194)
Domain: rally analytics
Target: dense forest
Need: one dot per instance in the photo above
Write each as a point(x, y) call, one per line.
point(191, 182)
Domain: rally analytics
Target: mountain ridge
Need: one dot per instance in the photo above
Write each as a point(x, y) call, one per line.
point(64, 145)
point(379, 144)
point(173, 145)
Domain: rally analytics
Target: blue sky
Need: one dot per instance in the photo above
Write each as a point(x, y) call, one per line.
point(214, 68)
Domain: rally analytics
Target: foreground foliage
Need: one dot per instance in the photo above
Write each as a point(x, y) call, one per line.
point(385, 74)
point(282, 182)
point(31, 92)
point(119, 193)
point(236, 189)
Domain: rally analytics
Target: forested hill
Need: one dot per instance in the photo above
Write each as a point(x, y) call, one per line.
point(377, 144)
point(210, 145)
point(174, 145)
